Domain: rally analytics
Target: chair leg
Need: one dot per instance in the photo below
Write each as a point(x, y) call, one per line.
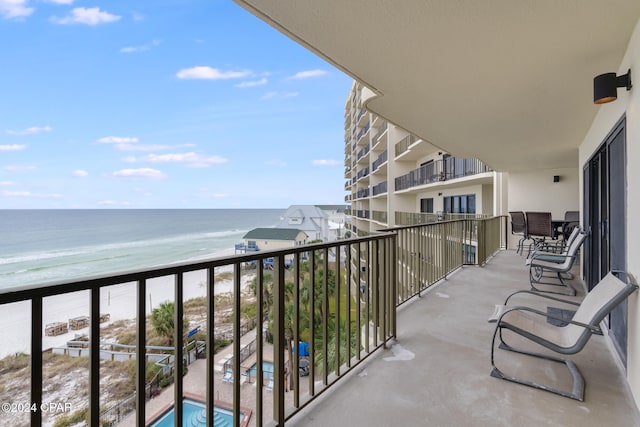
point(535, 276)
point(577, 389)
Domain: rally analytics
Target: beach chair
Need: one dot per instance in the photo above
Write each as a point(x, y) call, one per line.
point(228, 376)
point(568, 337)
point(557, 263)
point(269, 386)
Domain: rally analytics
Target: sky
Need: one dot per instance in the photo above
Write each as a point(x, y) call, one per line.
point(163, 104)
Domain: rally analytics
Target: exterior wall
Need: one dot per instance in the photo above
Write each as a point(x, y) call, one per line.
point(608, 114)
point(487, 201)
point(536, 191)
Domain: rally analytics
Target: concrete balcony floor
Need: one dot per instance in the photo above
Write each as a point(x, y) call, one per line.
point(437, 373)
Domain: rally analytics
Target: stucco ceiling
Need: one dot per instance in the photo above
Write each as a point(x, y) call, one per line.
point(507, 81)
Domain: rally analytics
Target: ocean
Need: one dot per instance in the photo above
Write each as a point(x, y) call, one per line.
point(41, 246)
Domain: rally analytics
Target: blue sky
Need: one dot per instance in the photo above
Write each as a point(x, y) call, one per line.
point(163, 104)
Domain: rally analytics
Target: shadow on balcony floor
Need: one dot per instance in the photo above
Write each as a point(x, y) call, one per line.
point(437, 374)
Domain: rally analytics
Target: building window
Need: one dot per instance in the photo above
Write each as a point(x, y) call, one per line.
point(426, 205)
point(460, 204)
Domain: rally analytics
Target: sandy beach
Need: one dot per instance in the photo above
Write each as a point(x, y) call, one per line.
point(119, 301)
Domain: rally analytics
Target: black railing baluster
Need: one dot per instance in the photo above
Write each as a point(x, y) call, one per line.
point(36, 361)
point(94, 358)
point(141, 356)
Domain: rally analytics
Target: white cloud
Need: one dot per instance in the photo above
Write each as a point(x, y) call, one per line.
point(254, 83)
point(30, 194)
point(12, 147)
point(117, 140)
point(326, 162)
point(142, 172)
point(61, 1)
point(30, 131)
point(14, 9)
point(192, 159)
point(307, 74)
point(141, 48)
point(80, 173)
point(218, 195)
point(150, 147)
point(6, 183)
point(128, 143)
point(208, 73)
point(87, 16)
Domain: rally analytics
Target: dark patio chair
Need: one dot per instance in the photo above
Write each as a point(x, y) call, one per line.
point(519, 228)
point(570, 338)
point(539, 228)
point(572, 220)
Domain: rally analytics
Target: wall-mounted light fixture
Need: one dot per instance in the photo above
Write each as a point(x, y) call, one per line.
point(605, 86)
point(556, 178)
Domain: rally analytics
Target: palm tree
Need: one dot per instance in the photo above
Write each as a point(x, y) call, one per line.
point(162, 321)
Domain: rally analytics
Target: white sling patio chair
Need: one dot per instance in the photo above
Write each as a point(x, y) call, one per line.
point(532, 324)
point(561, 263)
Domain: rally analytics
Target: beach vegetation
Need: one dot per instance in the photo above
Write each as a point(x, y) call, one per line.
point(226, 275)
point(14, 363)
point(79, 416)
point(162, 320)
point(56, 365)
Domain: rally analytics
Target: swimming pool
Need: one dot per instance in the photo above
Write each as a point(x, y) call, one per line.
point(195, 414)
point(267, 370)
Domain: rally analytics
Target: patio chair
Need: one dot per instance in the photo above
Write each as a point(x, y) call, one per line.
point(539, 227)
point(519, 228)
point(571, 338)
point(572, 221)
point(551, 253)
point(228, 376)
point(541, 262)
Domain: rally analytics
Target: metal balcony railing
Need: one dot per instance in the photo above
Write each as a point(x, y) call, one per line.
point(363, 192)
point(404, 143)
point(379, 216)
point(380, 160)
point(440, 170)
point(381, 130)
point(380, 188)
point(362, 213)
point(355, 283)
point(363, 152)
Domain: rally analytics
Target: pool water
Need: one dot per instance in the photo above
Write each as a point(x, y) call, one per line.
point(195, 415)
point(267, 370)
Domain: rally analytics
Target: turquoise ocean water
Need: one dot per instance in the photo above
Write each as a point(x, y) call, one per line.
point(40, 246)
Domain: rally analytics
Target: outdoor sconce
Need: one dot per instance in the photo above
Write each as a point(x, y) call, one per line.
point(556, 178)
point(605, 86)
